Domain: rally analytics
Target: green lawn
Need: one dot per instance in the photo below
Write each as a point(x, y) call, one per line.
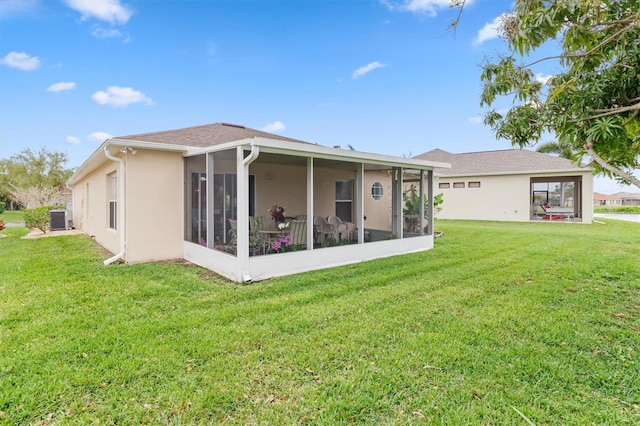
point(502, 323)
point(12, 216)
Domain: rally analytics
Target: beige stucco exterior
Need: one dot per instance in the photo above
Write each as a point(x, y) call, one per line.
point(185, 200)
point(153, 224)
point(505, 197)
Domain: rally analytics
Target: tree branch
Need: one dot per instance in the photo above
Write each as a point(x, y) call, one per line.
point(607, 112)
point(580, 55)
point(588, 147)
point(634, 115)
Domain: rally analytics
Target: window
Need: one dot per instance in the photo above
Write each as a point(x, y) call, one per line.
point(444, 185)
point(556, 198)
point(458, 184)
point(376, 191)
point(473, 185)
point(112, 185)
point(344, 199)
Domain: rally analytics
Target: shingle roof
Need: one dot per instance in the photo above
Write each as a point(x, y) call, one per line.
point(205, 135)
point(501, 161)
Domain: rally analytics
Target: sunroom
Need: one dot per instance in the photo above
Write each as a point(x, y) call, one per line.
point(259, 208)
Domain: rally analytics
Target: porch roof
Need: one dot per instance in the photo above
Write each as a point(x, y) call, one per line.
point(306, 150)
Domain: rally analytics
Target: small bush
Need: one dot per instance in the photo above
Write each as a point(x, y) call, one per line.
point(37, 218)
point(3, 205)
point(617, 209)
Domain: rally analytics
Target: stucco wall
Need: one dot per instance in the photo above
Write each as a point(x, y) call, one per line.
point(90, 207)
point(287, 186)
point(504, 197)
point(282, 185)
point(154, 206)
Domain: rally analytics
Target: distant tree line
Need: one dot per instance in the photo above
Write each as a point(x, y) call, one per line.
point(31, 179)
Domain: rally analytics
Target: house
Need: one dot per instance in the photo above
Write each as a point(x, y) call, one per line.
point(204, 194)
point(606, 200)
point(617, 199)
point(512, 185)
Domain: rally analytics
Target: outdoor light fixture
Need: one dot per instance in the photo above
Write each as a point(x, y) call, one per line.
point(126, 149)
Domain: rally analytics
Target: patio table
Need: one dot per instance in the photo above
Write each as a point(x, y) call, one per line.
point(273, 234)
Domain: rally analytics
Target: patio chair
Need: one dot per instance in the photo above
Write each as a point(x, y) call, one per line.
point(550, 215)
point(321, 229)
point(233, 231)
point(256, 223)
point(341, 230)
point(298, 232)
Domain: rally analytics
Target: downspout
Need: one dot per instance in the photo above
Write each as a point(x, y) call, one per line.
point(253, 155)
point(121, 210)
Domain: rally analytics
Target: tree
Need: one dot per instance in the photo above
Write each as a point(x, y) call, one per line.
point(593, 104)
point(561, 148)
point(42, 169)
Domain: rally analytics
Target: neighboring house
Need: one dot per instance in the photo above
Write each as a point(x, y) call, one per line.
point(606, 200)
point(192, 193)
point(617, 199)
point(512, 185)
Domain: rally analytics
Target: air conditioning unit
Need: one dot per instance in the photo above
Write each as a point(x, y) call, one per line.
point(59, 220)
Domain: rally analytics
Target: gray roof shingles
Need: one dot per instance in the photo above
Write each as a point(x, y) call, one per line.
point(205, 135)
point(500, 161)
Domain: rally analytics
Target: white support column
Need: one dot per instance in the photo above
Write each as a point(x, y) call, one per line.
point(430, 200)
point(310, 203)
point(421, 212)
point(396, 204)
point(210, 197)
point(360, 202)
point(242, 239)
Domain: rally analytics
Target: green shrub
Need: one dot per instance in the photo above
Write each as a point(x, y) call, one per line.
point(617, 209)
point(37, 218)
point(3, 205)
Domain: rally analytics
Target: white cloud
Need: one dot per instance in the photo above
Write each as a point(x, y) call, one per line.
point(73, 140)
point(99, 32)
point(111, 11)
point(367, 69)
point(61, 87)
point(489, 31)
point(478, 119)
point(544, 79)
point(276, 126)
point(120, 96)
point(99, 137)
point(21, 61)
point(423, 7)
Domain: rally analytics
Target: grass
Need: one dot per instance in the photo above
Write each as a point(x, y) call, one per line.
point(502, 323)
point(12, 216)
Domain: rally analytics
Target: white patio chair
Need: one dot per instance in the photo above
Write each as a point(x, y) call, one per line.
point(321, 229)
point(342, 230)
point(298, 232)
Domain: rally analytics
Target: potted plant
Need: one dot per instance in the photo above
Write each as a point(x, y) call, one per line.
point(411, 209)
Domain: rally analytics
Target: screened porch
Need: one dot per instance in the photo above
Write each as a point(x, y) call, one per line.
point(265, 208)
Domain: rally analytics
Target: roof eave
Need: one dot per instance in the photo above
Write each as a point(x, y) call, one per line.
point(98, 157)
point(301, 149)
point(519, 172)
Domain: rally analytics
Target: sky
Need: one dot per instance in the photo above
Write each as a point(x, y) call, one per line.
point(383, 76)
